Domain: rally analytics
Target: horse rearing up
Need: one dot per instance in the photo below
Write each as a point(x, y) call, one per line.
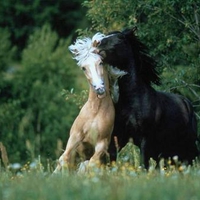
point(162, 124)
point(91, 130)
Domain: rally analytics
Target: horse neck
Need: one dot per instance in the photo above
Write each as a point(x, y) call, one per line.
point(131, 80)
point(131, 84)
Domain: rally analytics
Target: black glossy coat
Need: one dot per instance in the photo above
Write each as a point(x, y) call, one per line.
point(161, 124)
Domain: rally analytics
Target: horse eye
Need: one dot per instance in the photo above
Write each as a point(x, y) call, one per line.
point(83, 68)
point(101, 63)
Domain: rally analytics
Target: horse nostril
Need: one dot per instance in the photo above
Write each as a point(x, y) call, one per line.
point(100, 91)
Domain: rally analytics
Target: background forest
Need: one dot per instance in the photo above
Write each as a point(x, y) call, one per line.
point(38, 74)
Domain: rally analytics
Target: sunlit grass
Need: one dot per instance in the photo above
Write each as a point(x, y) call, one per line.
point(124, 179)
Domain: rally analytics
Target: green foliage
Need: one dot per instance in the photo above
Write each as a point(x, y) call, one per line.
point(79, 99)
point(36, 115)
point(6, 51)
point(7, 109)
point(129, 154)
point(23, 17)
point(107, 15)
point(165, 26)
point(6, 56)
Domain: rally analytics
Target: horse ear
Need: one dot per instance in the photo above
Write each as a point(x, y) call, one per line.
point(134, 29)
point(95, 43)
point(130, 31)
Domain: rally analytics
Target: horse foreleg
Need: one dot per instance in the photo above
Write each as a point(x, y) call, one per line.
point(66, 160)
point(100, 150)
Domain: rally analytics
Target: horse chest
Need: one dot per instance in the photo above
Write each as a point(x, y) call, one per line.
point(90, 130)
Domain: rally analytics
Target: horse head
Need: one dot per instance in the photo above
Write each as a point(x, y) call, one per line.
point(123, 50)
point(84, 51)
point(115, 48)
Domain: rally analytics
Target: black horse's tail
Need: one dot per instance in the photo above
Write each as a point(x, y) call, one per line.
point(192, 126)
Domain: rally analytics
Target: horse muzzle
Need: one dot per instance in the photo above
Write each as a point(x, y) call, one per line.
point(101, 92)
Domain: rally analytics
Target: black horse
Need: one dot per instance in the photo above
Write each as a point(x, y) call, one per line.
point(161, 124)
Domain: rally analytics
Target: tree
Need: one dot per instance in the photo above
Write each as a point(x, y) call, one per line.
point(36, 115)
point(22, 17)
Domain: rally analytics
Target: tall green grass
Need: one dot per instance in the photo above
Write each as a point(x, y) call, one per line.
point(124, 179)
point(38, 186)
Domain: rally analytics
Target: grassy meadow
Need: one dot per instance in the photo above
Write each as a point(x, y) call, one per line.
point(125, 179)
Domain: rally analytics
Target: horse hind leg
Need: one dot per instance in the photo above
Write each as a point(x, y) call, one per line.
point(191, 136)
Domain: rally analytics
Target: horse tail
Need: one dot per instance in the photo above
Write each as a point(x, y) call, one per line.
point(191, 115)
point(192, 125)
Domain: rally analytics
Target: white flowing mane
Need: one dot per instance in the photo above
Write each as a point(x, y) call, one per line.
point(86, 47)
point(114, 75)
point(83, 48)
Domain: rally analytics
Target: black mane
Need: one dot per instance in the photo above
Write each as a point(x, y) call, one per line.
point(145, 64)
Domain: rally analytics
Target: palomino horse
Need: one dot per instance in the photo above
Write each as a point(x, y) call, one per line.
point(91, 131)
point(161, 124)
